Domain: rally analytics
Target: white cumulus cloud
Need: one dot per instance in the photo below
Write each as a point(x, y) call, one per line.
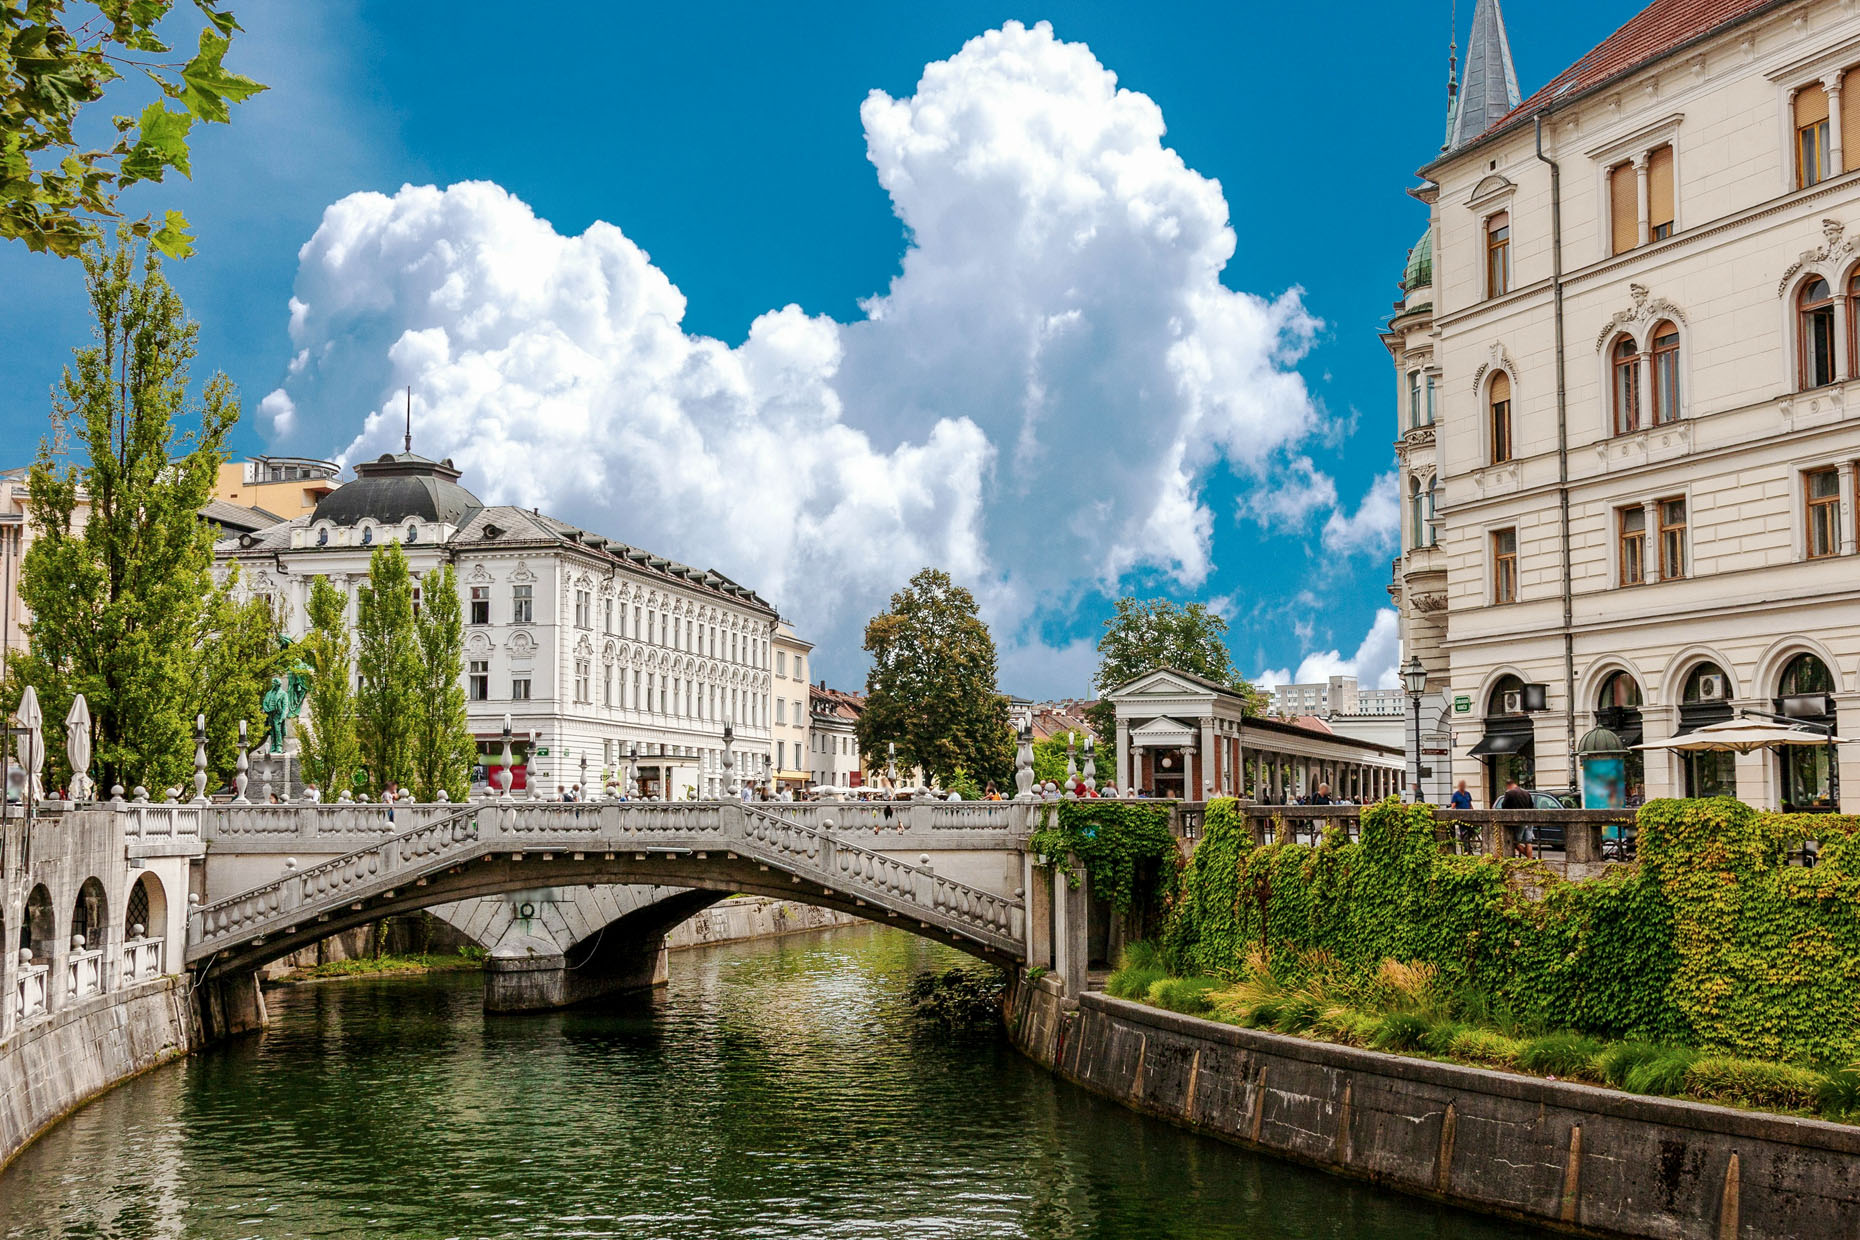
point(1374, 528)
point(1033, 403)
point(1376, 663)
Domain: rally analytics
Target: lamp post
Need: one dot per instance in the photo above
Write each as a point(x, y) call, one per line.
point(1414, 676)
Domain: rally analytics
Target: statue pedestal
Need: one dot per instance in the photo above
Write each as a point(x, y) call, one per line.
point(284, 771)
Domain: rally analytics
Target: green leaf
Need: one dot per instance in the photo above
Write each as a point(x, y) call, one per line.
point(210, 84)
point(161, 143)
point(172, 238)
point(222, 20)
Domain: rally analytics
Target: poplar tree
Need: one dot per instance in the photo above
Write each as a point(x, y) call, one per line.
point(388, 664)
point(331, 752)
point(443, 746)
point(119, 575)
point(238, 657)
point(931, 690)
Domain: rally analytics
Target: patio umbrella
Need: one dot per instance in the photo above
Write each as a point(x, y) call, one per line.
point(1742, 736)
point(77, 747)
point(32, 745)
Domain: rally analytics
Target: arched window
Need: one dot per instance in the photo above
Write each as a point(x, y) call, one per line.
point(1417, 525)
point(1498, 255)
point(87, 914)
point(38, 928)
point(1665, 373)
point(1807, 770)
point(1433, 509)
point(1706, 683)
point(1706, 700)
point(1624, 368)
point(1506, 698)
point(1500, 408)
point(1620, 690)
point(1815, 327)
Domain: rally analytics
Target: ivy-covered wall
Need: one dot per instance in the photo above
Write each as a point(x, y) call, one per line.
point(1126, 847)
point(1710, 939)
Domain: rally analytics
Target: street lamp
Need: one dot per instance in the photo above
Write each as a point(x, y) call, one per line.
point(1414, 676)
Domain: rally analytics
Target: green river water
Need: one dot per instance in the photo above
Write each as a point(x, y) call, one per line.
point(773, 1090)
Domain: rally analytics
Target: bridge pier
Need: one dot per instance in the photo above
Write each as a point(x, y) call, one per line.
point(229, 1005)
point(535, 977)
point(1071, 925)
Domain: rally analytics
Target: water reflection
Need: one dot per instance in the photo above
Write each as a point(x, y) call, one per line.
point(772, 1091)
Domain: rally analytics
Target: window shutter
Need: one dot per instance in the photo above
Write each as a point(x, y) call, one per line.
point(1850, 117)
point(1660, 189)
point(1624, 208)
point(1501, 387)
point(1811, 105)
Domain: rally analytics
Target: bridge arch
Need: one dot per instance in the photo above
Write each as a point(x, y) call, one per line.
point(494, 849)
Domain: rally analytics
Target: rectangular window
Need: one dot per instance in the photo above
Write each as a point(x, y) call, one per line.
point(1623, 209)
point(636, 688)
point(636, 622)
point(652, 626)
point(1660, 211)
point(522, 605)
point(781, 755)
point(781, 714)
point(1672, 538)
point(481, 604)
point(781, 663)
point(1811, 136)
point(1823, 488)
point(520, 689)
point(1665, 374)
point(581, 680)
point(607, 618)
point(1414, 398)
point(1505, 566)
point(1498, 255)
point(649, 688)
point(1633, 544)
point(607, 684)
point(1430, 398)
point(478, 687)
point(800, 671)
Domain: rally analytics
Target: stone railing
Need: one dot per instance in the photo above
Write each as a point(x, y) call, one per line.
point(144, 821)
point(32, 996)
point(305, 822)
point(84, 972)
point(142, 959)
point(725, 828)
point(1005, 817)
point(1581, 838)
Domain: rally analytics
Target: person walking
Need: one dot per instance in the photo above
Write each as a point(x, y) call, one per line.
point(1514, 797)
point(1461, 799)
point(1321, 796)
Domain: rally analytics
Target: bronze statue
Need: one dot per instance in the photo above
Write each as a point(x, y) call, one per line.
point(285, 697)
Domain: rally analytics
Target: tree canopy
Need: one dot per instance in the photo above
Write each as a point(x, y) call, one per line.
point(444, 748)
point(388, 663)
point(57, 57)
point(331, 752)
point(931, 690)
point(1145, 634)
point(119, 576)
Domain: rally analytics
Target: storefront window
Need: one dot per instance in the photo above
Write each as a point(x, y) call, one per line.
point(1809, 780)
point(1707, 700)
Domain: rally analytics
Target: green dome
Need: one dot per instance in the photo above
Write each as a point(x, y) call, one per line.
point(1600, 740)
point(1420, 272)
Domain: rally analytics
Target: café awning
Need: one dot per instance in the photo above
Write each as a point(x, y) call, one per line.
point(1742, 736)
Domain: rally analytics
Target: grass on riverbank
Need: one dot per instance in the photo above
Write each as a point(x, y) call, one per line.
point(466, 959)
point(1403, 1009)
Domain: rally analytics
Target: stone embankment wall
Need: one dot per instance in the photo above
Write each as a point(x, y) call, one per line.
point(753, 917)
point(50, 1067)
point(1586, 1160)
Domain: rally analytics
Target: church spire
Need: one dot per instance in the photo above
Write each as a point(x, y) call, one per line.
point(1453, 78)
point(1491, 86)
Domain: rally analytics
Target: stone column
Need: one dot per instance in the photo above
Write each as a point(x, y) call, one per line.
point(1038, 884)
point(1123, 754)
point(1847, 715)
point(1660, 768)
point(1640, 192)
point(1209, 768)
point(1836, 159)
point(1071, 961)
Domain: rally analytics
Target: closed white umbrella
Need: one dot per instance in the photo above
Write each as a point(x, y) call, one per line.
point(1742, 736)
point(32, 745)
point(77, 747)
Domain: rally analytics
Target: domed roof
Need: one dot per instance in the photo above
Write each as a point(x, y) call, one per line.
point(1420, 271)
point(391, 489)
point(1600, 740)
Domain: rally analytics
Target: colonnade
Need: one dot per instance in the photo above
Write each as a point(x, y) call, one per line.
point(1279, 778)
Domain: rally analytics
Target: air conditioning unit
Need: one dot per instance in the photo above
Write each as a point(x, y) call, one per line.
point(1711, 687)
point(1514, 702)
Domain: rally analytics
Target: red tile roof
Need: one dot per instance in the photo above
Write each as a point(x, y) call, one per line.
point(1656, 30)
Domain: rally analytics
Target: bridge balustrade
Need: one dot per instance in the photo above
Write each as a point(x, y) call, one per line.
point(32, 998)
point(901, 816)
point(311, 822)
point(143, 822)
point(612, 827)
point(142, 959)
point(1578, 842)
point(84, 973)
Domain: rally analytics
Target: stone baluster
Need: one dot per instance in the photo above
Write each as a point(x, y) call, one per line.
point(240, 777)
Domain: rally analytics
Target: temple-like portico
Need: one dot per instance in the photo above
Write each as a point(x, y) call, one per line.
point(1181, 736)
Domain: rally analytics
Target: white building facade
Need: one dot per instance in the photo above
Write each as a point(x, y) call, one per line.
point(1631, 482)
point(613, 658)
point(788, 694)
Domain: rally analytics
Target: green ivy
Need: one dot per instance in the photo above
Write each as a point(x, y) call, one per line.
point(1711, 939)
point(1127, 849)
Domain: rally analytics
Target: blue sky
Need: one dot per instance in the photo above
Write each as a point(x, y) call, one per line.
point(851, 442)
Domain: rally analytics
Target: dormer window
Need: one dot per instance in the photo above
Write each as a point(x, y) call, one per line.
point(322, 537)
point(413, 533)
point(368, 536)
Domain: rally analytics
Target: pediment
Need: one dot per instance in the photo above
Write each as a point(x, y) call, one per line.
point(1163, 683)
point(1490, 187)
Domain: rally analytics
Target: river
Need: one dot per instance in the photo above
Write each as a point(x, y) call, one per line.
point(772, 1090)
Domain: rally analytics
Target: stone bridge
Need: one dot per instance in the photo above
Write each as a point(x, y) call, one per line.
point(574, 899)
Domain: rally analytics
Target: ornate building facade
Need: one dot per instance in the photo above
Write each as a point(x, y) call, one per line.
point(606, 653)
point(1625, 348)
